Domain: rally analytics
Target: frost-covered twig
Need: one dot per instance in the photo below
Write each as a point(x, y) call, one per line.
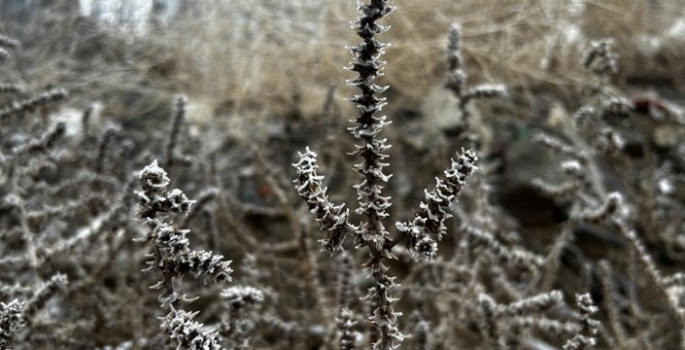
point(457, 78)
point(43, 294)
point(585, 338)
point(371, 232)
point(332, 218)
point(188, 334)
point(173, 258)
point(429, 221)
point(11, 322)
point(29, 105)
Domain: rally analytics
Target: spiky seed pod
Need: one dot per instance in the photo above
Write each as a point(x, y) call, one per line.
point(167, 239)
point(11, 321)
point(57, 283)
point(187, 333)
point(205, 264)
point(430, 220)
point(456, 81)
point(173, 244)
point(154, 198)
point(371, 232)
point(153, 178)
point(178, 202)
point(331, 218)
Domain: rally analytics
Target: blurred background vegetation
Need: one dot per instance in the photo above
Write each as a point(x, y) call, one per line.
point(240, 56)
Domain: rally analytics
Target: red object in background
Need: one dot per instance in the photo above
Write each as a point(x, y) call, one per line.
point(645, 104)
point(264, 191)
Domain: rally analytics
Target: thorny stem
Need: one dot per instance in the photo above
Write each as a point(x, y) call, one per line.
point(371, 232)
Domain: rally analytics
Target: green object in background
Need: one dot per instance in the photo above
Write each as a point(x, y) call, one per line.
point(522, 134)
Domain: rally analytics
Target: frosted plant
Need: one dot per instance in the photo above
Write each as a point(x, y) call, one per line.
point(188, 334)
point(594, 117)
point(430, 220)
point(171, 252)
point(599, 120)
point(8, 42)
point(346, 324)
point(457, 78)
point(371, 232)
point(11, 322)
point(19, 108)
point(171, 255)
point(331, 218)
point(238, 297)
point(585, 338)
point(57, 283)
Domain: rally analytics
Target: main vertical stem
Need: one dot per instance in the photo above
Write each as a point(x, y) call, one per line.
point(372, 205)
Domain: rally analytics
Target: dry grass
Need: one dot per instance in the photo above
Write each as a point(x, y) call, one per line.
point(243, 55)
point(284, 57)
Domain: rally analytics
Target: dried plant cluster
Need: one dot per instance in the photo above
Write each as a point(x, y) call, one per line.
point(86, 206)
